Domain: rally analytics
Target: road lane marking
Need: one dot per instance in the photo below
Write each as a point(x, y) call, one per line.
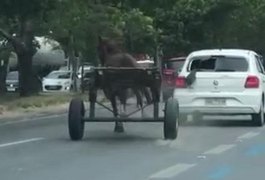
point(20, 142)
point(256, 150)
point(220, 149)
point(220, 173)
point(31, 119)
point(172, 171)
point(248, 135)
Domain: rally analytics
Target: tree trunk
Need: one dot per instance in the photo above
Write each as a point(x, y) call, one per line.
point(73, 61)
point(27, 81)
point(25, 50)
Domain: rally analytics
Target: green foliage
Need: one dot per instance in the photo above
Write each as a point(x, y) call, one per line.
point(179, 26)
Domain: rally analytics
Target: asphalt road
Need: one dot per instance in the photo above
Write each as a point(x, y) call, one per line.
point(40, 149)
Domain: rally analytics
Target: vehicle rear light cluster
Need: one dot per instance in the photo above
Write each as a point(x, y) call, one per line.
point(181, 82)
point(252, 82)
point(168, 72)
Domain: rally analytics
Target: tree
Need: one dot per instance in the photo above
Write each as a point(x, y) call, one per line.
point(18, 18)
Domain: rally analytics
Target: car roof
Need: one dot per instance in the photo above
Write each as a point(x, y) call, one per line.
point(63, 71)
point(176, 59)
point(145, 61)
point(223, 52)
point(13, 72)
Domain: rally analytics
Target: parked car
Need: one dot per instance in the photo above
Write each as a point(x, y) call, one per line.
point(222, 82)
point(87, 69)
point(146, 63)
point(170, 69)
point(60, 81)
point(86, 80)
point(12, 81)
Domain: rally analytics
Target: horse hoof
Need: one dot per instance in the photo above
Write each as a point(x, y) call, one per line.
point(119, 128)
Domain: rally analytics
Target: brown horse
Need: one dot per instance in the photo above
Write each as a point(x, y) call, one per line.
point(111, 56)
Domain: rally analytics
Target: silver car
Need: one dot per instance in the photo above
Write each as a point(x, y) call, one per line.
point(12, 81)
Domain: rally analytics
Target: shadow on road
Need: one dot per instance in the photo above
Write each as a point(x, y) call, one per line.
point(220, 123)
point(120, 138)
point(110, 137)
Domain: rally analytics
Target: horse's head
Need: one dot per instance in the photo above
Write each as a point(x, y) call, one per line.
point(105, 48)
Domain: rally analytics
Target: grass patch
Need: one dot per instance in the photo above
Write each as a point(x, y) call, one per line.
point(13, 101)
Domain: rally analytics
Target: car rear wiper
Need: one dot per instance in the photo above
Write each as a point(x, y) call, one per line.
point(218, 56)
point(204, 70)
point(225, 70)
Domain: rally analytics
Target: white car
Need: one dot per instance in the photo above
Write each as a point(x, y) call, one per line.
point(58, 81)
point(87, 69)
point(146, 63)
point(222, 82)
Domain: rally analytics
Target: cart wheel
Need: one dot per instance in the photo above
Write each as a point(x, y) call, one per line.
point(171, 120)
point(75, 122)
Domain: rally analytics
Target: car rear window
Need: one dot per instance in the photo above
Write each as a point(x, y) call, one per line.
point(219, 64)
point(12, 76)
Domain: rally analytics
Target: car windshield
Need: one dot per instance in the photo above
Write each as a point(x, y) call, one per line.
point(218, 64)
point(177, 65)
point(59, 75)
point(12, 76)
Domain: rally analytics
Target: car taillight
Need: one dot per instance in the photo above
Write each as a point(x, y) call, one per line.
point(168, 72)
point(252, 82)
point(181, 82)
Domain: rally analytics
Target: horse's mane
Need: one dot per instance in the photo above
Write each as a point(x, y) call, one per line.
point(112, 47)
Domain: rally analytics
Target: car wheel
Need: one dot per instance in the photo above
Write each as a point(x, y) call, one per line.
point(258, 118)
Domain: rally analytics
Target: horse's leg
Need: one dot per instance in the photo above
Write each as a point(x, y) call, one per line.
point(139, 100)
point(147, 95)
point(118, 124)
point(123, 98)
point(118, 128)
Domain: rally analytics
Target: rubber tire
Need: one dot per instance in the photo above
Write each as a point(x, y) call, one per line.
point(76, 125)
point(171, 119)
point(258, 119)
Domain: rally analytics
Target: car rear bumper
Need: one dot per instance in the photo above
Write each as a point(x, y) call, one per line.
point(236, 103)
point(218, 110)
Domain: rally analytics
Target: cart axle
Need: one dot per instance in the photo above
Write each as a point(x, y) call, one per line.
point(111, 119)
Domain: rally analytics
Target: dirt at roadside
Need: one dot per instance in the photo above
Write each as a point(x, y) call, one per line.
point(54, 109)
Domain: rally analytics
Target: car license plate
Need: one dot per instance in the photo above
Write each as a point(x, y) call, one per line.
point(11, 89)
point(215, 102)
